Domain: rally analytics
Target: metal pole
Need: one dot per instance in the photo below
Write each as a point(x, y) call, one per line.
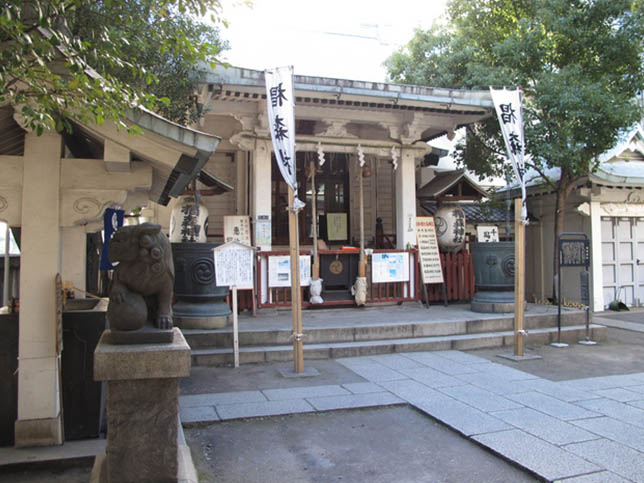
point(7, 267)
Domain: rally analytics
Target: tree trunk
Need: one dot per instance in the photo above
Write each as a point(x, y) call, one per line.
point(564, 188)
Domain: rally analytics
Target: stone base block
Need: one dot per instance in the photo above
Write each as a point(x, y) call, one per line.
point(202, 322)
point(186, 470)
point(38, 432)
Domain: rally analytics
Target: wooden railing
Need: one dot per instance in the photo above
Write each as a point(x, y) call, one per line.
point(458, 274)
point(376, 292)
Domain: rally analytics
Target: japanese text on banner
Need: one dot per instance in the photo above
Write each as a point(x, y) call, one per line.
point(508, 110)
point(281, 120)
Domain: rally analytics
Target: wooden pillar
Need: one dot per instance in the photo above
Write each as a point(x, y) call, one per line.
point(296, 294)
point(519, 278)
point(39, 410)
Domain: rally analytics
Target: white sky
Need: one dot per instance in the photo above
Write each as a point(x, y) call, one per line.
point(346, 39)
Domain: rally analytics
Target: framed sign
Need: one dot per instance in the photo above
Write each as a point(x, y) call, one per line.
point(263, 236)
point(237, 228)
point(428, 254)
point(390, 267)
point(279, 271)
point(234, 265)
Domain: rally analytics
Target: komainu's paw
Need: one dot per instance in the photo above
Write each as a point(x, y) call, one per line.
point(164, 322)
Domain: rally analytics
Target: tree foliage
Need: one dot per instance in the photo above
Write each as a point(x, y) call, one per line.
point(93, 60)
point(578, 62)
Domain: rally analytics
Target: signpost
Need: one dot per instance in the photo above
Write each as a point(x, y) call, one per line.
point(574, 251)
point(429, 255)
point(234, 268)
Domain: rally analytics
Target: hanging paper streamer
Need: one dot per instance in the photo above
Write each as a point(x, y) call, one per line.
point(361, 156)
point(394, 157)
point(321, 159)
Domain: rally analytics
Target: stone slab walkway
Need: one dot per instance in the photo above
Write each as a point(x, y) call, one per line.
point(583, 430)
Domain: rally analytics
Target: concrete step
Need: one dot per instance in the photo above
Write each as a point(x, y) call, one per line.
point(249, 337)
point(330, 350)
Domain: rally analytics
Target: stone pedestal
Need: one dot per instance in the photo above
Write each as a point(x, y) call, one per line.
point(142, 410)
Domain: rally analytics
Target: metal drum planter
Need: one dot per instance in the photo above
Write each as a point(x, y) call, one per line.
point(200, 303)
point(494, 276)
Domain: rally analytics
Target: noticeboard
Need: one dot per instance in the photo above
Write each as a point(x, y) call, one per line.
point(234, 265)
point(279, 271)
point(390, 267)
point(428, 253)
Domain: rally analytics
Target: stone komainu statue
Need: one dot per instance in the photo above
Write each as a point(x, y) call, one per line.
point(142, 284)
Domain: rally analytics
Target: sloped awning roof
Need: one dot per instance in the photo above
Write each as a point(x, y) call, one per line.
point(475, 213)
point(451, 183)
point(216, 185)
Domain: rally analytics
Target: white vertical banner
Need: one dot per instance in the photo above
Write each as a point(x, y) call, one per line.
point(281, 120)
point(508, 110)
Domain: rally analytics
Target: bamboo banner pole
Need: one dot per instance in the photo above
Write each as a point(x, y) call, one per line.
point(519, 278)
point(314, 229)
point(296, 295)
point(362, 266)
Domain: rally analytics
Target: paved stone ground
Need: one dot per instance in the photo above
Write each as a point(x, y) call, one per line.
point(591, 429)
point(371, 445)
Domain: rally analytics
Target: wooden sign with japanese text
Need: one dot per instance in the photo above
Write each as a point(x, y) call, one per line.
point(428, 253)
point(237, 228)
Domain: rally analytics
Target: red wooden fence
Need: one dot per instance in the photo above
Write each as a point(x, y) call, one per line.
point(458, 274)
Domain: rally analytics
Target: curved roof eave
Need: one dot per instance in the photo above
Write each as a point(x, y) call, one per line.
point(381, 90)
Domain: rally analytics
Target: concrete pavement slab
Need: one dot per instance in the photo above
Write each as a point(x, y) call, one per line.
point(560, 390)
point(268, 408)
point(620, 394)
point(599, 477)
point(551, 406)
point(496, 384)
point(362, 387)
point(354, 401)
point(304, 392)
point(545, 427)
point(619, 459)
point(213, 399)
point(431, 377)
point(616, 410)
point(618, 431)
point(461, 357)
point(199, 414)
point(479, 398)
point(546, 460)
point(397, 361)
point(505, 372)
point(370, 369)
point(443, 364)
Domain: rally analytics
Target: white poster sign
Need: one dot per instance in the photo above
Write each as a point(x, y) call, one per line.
point(234, 265)
point(263, 236)
point(428, 253)
point(508, 110)
point(487, 234)
point(279, 271)
point(390, 267)
point(281, 119)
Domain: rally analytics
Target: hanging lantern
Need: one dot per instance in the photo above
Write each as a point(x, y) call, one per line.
point(450, 227)
point(189, 221)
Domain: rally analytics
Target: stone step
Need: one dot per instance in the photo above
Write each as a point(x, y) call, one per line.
point(330, 350)
point(249, 337)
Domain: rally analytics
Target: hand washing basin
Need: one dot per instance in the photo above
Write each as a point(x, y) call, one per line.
point(80, 304)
